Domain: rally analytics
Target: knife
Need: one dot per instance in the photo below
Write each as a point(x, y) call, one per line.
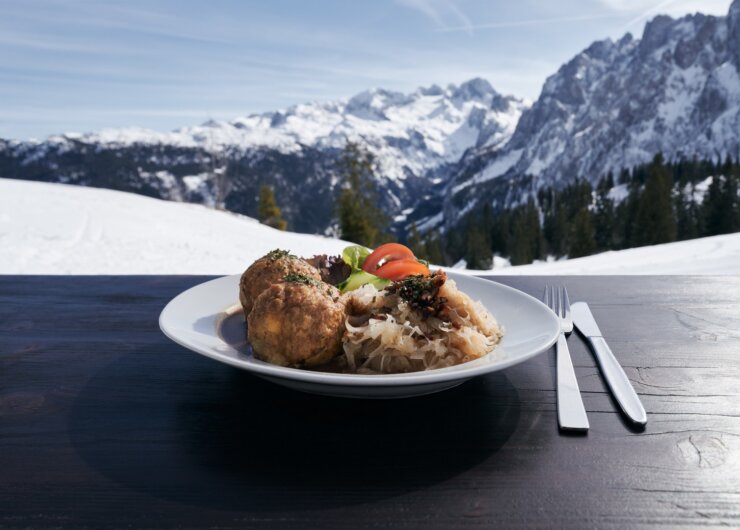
point(613, 373)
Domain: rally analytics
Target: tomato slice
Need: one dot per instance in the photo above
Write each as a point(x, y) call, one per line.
point(401, 268)
point(388, 252)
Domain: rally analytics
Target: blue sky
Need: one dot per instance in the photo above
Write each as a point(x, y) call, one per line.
point(75, 65)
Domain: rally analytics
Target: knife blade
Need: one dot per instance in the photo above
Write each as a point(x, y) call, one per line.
point(615, 377)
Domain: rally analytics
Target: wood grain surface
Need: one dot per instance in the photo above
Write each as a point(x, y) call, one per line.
point(105, 423)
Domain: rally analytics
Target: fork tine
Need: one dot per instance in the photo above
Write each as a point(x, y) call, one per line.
point(561, 308)
point(546, 296)
point(567, 319)
point(551, 302)
point(566, 301)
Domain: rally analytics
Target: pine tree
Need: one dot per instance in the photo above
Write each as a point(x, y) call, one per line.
point(525, 242)
point(534, 230)
point(608, 182)
point(268, 211)
point(479, 254)
point(603, 215)
point(415, 243)
point(721, 208)
point(500, 234)
point(656, 222)
point(583, 241)
point(621, 222)
point(487, 223)
point(556, 231)
point(435, 253)
point(627, 232)
point(712, 207)
point(727, 166)
point(518, 243)
point(625, 177)
point(687, 215)
point(360, 219)
point(577, 196)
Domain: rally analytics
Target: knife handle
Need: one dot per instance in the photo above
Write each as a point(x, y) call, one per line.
point(618, 381)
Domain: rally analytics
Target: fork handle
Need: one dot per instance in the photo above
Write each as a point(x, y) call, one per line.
point(571, 413)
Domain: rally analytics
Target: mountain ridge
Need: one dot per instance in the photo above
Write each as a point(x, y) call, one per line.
point(615, 105)
point(414, 136)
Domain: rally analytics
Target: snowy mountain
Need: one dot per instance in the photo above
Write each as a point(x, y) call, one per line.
point(615, 105)
point(415, 138)
point(59, 229)
point(441, 152)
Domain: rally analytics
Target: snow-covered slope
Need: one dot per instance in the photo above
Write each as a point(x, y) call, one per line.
point(61, 229)
point(707, 255)
point(616, 104)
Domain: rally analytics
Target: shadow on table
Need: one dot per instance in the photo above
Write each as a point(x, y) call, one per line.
point(197, 432)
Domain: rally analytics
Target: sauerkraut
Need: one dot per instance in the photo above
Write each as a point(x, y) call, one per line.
point(416, 324)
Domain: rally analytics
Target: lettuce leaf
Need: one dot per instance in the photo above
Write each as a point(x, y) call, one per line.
point(359, 278)
point(355, 256)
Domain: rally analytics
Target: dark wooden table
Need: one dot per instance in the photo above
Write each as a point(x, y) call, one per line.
point(106, 423)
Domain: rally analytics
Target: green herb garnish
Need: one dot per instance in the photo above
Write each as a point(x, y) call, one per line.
point(301, 278)
point(411, 288)
point(278, 253)
point(422, 294)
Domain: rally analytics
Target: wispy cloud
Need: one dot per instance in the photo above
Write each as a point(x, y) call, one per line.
point(643, 9)
point(83, 65)
point(442, 12)
point(629, 5)
point(649, 12)
point(526, 22)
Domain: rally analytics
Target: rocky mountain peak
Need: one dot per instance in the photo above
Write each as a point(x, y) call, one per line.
point(615, 105)
point(733, 27)
point(433, 90)
point(656, 34)
point(600, 49)
point(733, 14)
point(626, 39)
point(474, 89)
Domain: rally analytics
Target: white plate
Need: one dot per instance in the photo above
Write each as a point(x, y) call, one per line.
point(207, 319)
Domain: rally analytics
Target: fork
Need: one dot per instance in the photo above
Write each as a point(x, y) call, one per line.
point(571, 413)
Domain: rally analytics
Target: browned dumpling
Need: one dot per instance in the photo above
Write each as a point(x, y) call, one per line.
point(297, 322)
point(270, 269)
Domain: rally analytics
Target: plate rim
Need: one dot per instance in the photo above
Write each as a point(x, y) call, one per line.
point(438, 375)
